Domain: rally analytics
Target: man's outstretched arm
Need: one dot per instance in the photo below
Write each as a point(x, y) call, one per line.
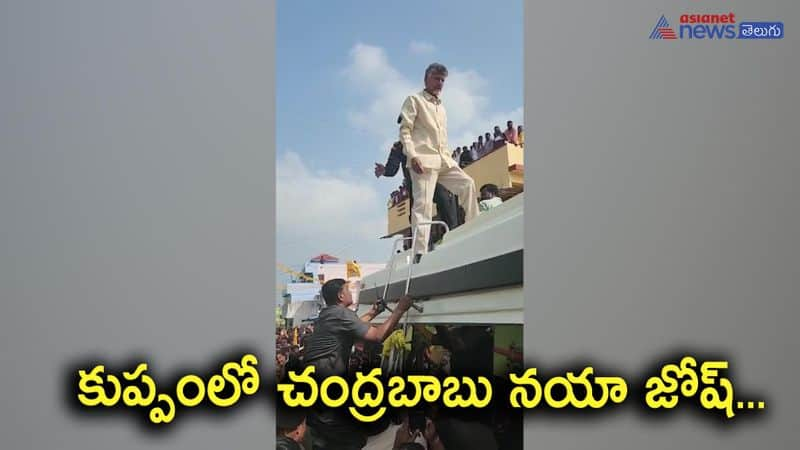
point(393, 162)
point(380, 332)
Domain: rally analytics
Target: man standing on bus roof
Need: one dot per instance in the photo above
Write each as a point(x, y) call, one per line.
point(423, 132)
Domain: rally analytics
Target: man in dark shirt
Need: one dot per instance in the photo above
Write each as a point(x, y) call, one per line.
point(337, 327)
point(396, 160)
point(467, 157)
point(328, 350)
point(291, 428)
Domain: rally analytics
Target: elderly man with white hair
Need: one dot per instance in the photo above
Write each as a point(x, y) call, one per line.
point(423, 132)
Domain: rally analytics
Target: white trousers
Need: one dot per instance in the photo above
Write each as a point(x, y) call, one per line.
point(423, 185)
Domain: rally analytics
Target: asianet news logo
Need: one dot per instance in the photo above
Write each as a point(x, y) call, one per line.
point(715, 26)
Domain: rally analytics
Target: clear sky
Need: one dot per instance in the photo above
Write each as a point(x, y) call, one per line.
point(343, 70)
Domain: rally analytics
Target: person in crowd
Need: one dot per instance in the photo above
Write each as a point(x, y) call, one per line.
point(408, 439)
point(511, 133)
point(467, 157)
point(280, 358)
point(328, 351)
point(490, 197)
point(293, 362)
point(306, 332)
point(488, 143)
point(520, 136)
point(423, 132)
point(479, 147)
point(291, 428)
point(280, 365)
point(499, 137)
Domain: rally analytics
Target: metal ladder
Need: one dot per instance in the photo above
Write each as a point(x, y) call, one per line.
point(394, 359)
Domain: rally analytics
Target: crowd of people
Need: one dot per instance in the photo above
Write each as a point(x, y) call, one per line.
point(289, 347)
point(489, 142)
point(399, 195)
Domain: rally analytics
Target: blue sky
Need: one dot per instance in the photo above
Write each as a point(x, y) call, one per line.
point(343, 69)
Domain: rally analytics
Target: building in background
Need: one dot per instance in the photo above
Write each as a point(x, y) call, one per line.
point(301, 300)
